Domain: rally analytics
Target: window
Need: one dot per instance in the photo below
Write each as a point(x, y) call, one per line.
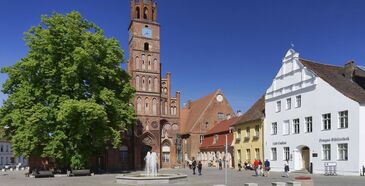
point(326, 121)
point(154, 106)
point(145, 13)
point(124, 154)
point(286, 153)
point(342, 151)
point(165, 154)
point(286, 128)
point(149, 84)
point(248, 155)
point(201, 139)
point(257, 153)
point(288, 104)
point(220, 115)
point(137, 12)
point(146, 46)
point(143, 64)
point(206, 125)
point(137, 63)
point(343, 119)
point(146, 106)
point(139, 107)
point(215, 139)
point(248, 132)
point(308, 124)
point(149, 62)
point(296, 126)
point(326, 152)
point(278, 106)
point(1, 148)
point(298, 101)
point(274, 156)
point(238, 134)
point(257, 131)
point(274, 128)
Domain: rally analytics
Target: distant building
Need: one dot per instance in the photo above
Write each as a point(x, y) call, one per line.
point(249, 134)
point(315, 116)
point(7, 156)
point(213, 146)
point(198, 117)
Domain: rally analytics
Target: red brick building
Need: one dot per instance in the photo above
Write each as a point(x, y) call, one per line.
point(198, 117)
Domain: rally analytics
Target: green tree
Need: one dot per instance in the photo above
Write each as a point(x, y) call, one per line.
point(69, 96)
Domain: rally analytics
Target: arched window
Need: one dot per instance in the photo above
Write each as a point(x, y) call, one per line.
point(139, 105)
point(156, 84)
point(143, 64)
point(146, 46)
point(146, 106)
point(137, 63)
point(137, 83)
point(137, 13)
point(145, 13)
point(143, 83)
point(149, 84)
point(154, 106)
point(155, 67)
point(149, 62)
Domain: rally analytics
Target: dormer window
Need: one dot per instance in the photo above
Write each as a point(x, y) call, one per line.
point(215, 139)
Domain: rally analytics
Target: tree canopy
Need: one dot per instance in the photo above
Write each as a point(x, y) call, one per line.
point(68, 97)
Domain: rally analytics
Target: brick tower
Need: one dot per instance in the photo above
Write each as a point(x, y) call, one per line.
point(158, 113)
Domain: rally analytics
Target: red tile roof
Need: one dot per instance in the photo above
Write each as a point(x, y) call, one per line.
point(193, 110)
point(257, 111)
point(220, 144)
point(222, 126)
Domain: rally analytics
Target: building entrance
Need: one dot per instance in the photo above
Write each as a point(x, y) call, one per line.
point(301, 158)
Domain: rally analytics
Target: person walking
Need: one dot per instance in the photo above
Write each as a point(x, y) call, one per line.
point(220, 164)
point(260, 168)
point(256, 167)
point(200, 166)
point(239, 165)
point(286, 168)
point(267, 168)
point(193, 166)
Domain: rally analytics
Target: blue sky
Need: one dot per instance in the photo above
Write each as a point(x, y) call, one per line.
point(233, 45)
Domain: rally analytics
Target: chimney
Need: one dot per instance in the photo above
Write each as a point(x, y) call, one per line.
point(239, 113)
point(349, 69)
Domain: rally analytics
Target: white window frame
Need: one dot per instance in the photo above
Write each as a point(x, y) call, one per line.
point(274, 154)
point(278, 106)
point(274, 128)
point(326, 121)
point(342, 152)
point(298, 101)
point(288, 103)
point(343, 119)
point(309, 124)
point(326, 152)
point(286, 153)
point(286, 127)
point(296, 126)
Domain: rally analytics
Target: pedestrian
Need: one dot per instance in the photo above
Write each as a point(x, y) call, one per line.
point(256, 167)
point(220, 164)
point(267, 167)
point(286, 168)
point(239, 165)
point(200, 166)
point(194, 166)
point(260, 168)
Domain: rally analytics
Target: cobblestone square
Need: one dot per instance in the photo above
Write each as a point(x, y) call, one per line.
point(210, 177)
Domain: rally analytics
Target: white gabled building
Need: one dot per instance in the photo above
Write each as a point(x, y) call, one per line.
point(315, 114)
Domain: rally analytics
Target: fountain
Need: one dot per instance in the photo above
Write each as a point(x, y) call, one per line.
point(150, 177)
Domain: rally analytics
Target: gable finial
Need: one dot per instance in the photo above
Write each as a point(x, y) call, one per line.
point(292, 44)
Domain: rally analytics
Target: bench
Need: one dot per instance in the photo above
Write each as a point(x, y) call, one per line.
point(82, 172)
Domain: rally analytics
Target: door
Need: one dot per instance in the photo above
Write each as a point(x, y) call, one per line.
point(305, 158)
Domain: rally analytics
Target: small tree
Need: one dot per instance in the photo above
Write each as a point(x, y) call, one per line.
point(69, 96)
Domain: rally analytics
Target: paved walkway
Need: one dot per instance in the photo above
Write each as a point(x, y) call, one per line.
point(210, 177)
